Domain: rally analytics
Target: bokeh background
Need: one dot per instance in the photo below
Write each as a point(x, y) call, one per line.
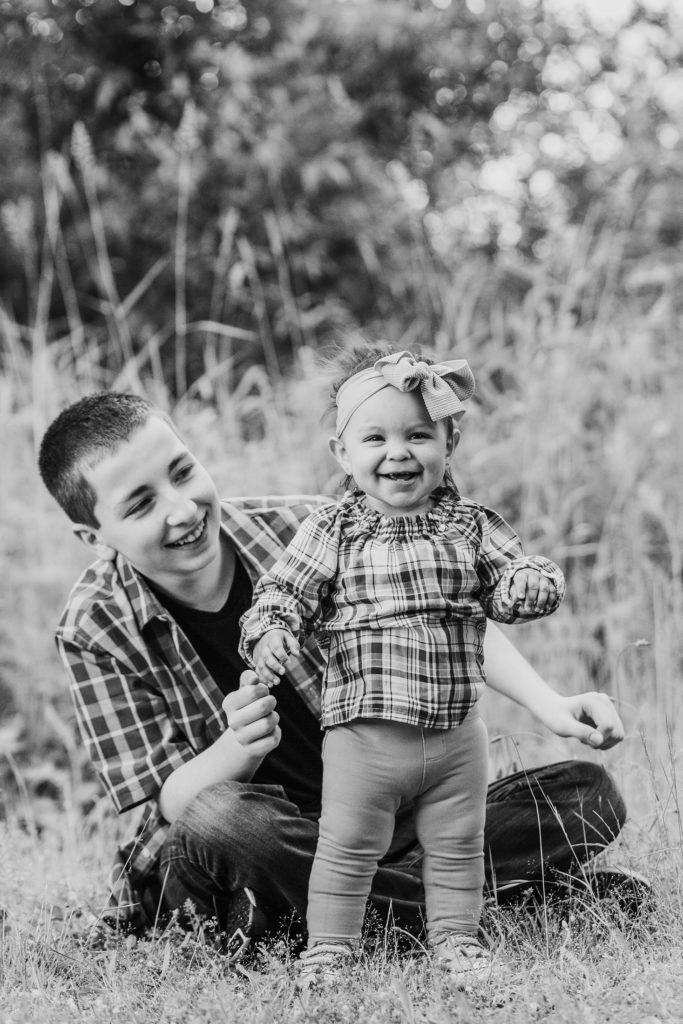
point(199, 198)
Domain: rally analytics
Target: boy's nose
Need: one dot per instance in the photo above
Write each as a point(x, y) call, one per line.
point(181, 512)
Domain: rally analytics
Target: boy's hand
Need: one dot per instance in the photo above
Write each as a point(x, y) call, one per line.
point(589, 717)
point(271, 653)
point(252, 717)
point(531, 593)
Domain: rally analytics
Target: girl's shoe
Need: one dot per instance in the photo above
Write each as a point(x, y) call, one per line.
point(464, 958)
point(323, 964)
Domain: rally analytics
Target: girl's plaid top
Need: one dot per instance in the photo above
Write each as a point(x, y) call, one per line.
point(401, 603)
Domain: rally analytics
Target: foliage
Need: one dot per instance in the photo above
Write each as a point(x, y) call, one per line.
point(288, 170)
point(191, 192)
point(194, 190)
point(581, 963)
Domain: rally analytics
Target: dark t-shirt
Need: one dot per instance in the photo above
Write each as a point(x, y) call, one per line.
point(295, 764)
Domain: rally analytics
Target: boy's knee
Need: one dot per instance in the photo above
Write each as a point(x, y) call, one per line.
point(606, 809)
point(589, 790)
point(227, 815)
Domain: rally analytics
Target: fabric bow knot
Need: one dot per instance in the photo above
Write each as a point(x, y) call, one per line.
point(443, 386)
point(402, 371)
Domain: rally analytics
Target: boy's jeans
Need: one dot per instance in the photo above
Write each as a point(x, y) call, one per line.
point(235, 834)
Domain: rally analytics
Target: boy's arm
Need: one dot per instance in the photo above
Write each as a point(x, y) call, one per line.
point(589, 717)
point(135, 744)
point(253, 731)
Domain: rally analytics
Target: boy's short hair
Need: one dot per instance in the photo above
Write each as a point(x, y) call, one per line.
point(81, 435)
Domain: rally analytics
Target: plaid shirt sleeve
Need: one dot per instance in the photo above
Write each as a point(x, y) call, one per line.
point(290, 595)
point(141, 706)
point(500, 557)
point(130, 737)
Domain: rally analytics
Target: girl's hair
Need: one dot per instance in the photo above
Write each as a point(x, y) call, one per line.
point(348, 362)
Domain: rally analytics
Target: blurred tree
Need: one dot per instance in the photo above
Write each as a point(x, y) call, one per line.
point(288, 167)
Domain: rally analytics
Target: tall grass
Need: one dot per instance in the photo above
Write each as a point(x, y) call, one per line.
point(575, 435)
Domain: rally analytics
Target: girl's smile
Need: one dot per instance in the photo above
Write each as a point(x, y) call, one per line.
point(395, 452)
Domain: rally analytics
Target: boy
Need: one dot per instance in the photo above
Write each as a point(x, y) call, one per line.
point(229, 776)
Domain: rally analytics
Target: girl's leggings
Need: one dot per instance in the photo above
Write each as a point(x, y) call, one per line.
point(370, 767)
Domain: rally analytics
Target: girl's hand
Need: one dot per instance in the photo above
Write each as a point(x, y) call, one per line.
point(251, 715)
point(271, 653)
point(531, 593)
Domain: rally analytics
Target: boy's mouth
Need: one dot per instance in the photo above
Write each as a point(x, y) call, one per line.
point(192, 537)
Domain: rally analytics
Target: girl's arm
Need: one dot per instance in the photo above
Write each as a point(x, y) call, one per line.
point(289, 596)
point(500, 560)
point(589, 717)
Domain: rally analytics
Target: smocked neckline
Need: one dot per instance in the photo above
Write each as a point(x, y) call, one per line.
point(434, 521)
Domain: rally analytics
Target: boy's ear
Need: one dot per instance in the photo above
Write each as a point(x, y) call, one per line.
point(339, 451)
point(91, 538)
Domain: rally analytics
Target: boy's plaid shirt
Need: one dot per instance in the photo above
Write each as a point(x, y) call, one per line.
point(145, 703)
point(402, 603)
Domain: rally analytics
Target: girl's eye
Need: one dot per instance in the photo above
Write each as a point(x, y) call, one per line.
point(183, 473)
point(373, 438)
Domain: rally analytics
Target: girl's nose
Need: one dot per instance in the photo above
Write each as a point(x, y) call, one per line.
point(398, 450)
point(181, 511)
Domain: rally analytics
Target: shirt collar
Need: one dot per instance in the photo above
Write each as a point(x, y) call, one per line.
point(144, 602)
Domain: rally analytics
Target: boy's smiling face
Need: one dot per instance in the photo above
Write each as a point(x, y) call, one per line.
point(156, 505)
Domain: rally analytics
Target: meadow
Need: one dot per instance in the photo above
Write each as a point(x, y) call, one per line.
point(576, 435)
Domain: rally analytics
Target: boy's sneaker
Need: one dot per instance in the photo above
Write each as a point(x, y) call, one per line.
point(631, 891)
point(323, 964)
point(628, 890)
point(243, 923)
point(464, 958)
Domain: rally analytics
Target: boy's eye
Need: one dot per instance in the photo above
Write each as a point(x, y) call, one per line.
point(139, 507)
point(184, 472)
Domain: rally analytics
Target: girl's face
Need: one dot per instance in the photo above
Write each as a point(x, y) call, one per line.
point(395, 453)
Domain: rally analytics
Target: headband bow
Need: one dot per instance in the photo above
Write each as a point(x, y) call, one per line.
point(443, 386)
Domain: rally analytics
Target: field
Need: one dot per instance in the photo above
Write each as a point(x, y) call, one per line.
point(576, 436)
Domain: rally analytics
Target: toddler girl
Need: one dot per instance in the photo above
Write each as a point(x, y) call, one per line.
point(398, 577)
